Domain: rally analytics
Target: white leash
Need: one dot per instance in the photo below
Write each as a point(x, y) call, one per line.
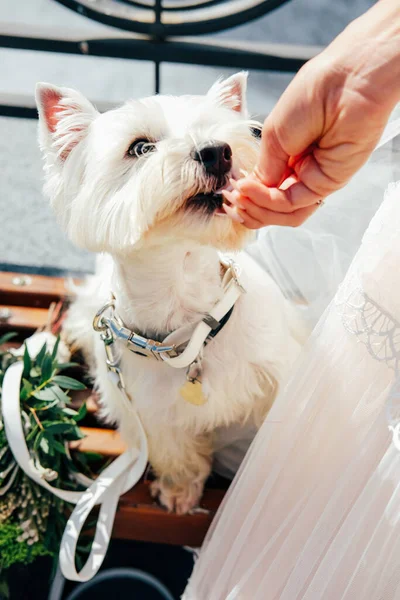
point(115, 480)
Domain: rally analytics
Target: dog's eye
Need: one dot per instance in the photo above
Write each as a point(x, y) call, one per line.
point(256, 132)
point(141, 147)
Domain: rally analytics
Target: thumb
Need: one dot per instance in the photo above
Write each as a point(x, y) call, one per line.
point(294, 124)
point(272, 167)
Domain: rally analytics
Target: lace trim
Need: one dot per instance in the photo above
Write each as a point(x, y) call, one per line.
point(380, 333)
point(373, 326)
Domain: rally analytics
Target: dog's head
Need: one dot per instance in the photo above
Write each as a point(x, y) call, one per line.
point(151, 168)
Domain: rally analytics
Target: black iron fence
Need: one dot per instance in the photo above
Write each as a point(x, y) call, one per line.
point(159, 31)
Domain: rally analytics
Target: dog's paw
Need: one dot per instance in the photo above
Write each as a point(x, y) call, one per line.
point(180, 499)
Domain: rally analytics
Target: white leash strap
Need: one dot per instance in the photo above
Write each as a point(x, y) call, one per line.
point(115, 480)
point(232, 291)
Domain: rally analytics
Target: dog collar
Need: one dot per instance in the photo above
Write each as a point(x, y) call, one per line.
point(181, 347)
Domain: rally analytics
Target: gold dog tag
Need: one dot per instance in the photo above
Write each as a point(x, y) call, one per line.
point(193, 393)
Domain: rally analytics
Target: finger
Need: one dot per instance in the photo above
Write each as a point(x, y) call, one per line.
point(309, 171)
point(294, 160)
point(234, 214)
point(294, 124)
point(269, 217)
point(286, 200)
point(251, 223)
point(273, 161)
point(240, 216)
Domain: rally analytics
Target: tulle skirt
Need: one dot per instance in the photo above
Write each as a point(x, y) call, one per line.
point(314, 511)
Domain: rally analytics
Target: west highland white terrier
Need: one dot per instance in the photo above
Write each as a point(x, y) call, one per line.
point(141, 185)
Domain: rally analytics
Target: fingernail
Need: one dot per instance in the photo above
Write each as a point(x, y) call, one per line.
point(232, 214)
point(233, 183)
point(234, 198)
point(228, 195)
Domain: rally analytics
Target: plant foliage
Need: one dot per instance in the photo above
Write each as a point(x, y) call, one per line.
point(32, 519)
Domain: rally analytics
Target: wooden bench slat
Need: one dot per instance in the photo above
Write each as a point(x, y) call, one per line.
point(107, 442)
point(155, 524)
point(38, 290)
point(139, 517)
point(23, 319)
point(140, 495)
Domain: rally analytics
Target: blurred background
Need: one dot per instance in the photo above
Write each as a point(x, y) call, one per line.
point(30, 236)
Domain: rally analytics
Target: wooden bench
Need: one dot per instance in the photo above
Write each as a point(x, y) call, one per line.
point(24, 304)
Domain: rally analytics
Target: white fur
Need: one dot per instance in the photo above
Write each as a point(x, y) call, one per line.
point(162, 264)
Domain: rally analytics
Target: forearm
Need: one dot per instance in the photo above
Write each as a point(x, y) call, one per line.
point(373, 63)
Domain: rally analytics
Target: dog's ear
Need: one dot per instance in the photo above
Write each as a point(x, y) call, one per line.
point(231, 92)
point(64, 118)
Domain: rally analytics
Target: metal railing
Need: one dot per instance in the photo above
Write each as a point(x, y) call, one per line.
point(151, 33)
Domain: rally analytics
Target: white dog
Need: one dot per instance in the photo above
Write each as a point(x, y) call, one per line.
point(140, 185)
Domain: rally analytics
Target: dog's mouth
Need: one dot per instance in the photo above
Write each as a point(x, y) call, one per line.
point(211, 202)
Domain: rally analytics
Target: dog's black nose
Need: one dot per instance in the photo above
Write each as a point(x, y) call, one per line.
point(216, 157)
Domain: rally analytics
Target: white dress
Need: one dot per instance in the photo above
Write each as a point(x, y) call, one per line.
point(314, 511)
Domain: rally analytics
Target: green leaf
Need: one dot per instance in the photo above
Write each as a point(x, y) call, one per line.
point(7, 337)
point(58, 446)
point(70, 412)
point(60, 394)
point(47, 368)
point(46, 393)
point(68, 383)
point(41, 354)
point(44, 445)
point(81, 413)
point(32, 433)
point(77, 433)
point(51, 449)
point(74, 434)
point(32, 420)
point(35, 372)
point(26, 389)
point(54, 353)
point(58, 427)
point(92, 456)
point(38, 440)
point(46, 405)
point(66, 365)
point(27, 363)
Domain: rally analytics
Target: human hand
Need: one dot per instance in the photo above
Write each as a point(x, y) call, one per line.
point(325, 125)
